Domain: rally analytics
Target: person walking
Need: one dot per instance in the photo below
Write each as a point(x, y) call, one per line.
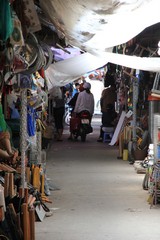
point(58, 106)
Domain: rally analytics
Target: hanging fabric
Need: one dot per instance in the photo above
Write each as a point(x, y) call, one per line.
point(6, 25)
point(31, 121)
point(25, 81)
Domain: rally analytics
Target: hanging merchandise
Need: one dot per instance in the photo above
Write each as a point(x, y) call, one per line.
point(31, 121)
point(48, 54)
point(40, 127)
point(34, 54)
point(38, 99)
point(14, 112)
point(16, 38)
point(6, 25)
point(30, 15)
point(25, 81)
point(19, 63)
point(38, 79)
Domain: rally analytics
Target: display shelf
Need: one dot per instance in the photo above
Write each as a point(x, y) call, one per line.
point(156, 137)
point(154, 186)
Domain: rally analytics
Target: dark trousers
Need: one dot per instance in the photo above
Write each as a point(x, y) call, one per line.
point(58, 114)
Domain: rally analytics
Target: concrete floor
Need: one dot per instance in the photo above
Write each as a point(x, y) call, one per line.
point(100, 196)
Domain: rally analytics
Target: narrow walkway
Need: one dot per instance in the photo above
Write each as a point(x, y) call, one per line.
point(100, 196)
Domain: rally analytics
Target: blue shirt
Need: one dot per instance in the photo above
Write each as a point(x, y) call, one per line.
point(74, 91)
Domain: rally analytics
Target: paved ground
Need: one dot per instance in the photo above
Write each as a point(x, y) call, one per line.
point(100, 196)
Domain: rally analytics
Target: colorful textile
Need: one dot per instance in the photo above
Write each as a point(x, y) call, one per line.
point(6, 26)
point(3, 125)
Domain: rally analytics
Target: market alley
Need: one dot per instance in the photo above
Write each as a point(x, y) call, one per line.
point(97, 196)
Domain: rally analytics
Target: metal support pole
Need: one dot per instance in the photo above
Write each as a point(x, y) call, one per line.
point(135, 99)
point(23, 135)
point(154, 105)
point(155, 137)
point(39, 147)
point(151, 120)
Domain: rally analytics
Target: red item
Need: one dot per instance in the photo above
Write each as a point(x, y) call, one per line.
point(74, 123)
point(41, 72)
point(152, 98)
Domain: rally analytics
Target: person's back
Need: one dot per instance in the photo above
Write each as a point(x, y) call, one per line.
point(85, 100)
point(108, 120)
point(109, 96)
point(109, 116)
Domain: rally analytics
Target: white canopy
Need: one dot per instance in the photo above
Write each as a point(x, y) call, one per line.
point(95, 26)
point(66, 71)
point(98, 25)
point(63, 72)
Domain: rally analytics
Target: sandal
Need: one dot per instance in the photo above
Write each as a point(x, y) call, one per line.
point(99, 140)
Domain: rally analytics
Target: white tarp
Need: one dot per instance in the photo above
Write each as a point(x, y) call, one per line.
point(63, 72)
point(95, 25)
point(66, 71)
point(124, 26)
point(151, 64)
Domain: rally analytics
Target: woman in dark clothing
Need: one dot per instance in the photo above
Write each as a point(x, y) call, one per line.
point(58, 106)
point(108, 118)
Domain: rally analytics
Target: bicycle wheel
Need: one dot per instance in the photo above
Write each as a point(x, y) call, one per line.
point(67, 118)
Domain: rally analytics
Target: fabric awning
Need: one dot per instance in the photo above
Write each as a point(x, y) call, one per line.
point(64, 72)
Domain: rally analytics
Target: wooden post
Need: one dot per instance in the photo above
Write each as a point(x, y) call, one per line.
point(11, 185)
point(28, 174)
point(26, 226)
point(42, 184)
point(32, 223)
point(6, 185)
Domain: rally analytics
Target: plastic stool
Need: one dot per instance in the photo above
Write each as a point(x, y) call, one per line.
point(108, 133)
